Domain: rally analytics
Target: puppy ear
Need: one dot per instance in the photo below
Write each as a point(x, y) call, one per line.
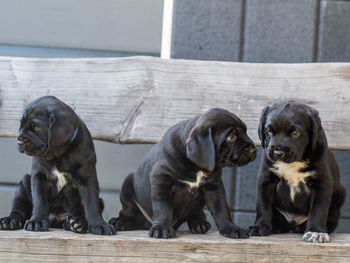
point(60, 133)
point(200, 149)
point(314, 126)
point(261, 130)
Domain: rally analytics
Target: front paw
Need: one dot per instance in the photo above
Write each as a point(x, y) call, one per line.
point(232, 231)
point(316, 237)
point(75, 224)
point(117, 223)
point(198, 225)
point(260, 229)
point(102, 228)
point(37, 224)
point(159, 231)
point(11, 222)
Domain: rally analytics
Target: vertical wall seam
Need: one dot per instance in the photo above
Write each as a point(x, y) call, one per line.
point(167, 28)
point(317, 30)
point(243, 29)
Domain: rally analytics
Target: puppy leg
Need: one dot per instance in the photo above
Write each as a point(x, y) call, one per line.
point(39, 220)
point(89, 192)
point(197, 222)
point(338, 199)
point(215, 199)
point(263, 224)
point(130, 217)
point(162, 209)
point(316, 225)
point(21, 207)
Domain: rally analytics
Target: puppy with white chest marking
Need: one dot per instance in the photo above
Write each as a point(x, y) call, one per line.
point(182, 173)
point(299, 186)
point(62, 189)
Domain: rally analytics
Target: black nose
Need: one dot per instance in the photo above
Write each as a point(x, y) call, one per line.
point(278, 154)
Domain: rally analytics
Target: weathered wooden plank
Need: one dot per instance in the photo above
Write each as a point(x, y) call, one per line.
point(136, 246)
point(136, 99)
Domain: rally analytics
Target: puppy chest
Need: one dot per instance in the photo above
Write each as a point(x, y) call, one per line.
point(61, 179)
point(294, 176)
point(199, 180)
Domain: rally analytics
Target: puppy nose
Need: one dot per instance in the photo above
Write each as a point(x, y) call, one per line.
point(278, 154)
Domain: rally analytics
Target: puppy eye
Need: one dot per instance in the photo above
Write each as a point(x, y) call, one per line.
point(269, 131)
point(295, 134)
point(231, 138)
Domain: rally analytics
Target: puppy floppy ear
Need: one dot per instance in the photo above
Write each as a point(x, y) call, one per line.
point(261, 130)
point(60, 133)
point(315, 127)
point(200, 149)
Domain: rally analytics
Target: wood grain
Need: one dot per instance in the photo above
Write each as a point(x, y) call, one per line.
point(136, 99)
point(136, 246)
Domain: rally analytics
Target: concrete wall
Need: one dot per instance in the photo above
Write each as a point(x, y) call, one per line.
point(114, 25)
point(270, 31)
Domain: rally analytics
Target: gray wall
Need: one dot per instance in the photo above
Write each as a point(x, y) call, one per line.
point(114, 25)
point(264, 31)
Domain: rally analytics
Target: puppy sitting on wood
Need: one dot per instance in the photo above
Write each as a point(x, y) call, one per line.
point(182, 173)
point(62, 188)
point(299, 187)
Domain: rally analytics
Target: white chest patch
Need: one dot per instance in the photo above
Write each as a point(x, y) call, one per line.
point(200, 176)
point(291, 172)
point(61, 179)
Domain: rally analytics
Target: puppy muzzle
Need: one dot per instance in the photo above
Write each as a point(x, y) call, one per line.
point(247, 155)
point(280, 154)
point(26, 146)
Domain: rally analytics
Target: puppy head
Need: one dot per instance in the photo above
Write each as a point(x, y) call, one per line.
point(219, 139)
point(47, 127)
point(287, 129)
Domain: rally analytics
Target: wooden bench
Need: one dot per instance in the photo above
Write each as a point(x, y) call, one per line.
point(135, 100)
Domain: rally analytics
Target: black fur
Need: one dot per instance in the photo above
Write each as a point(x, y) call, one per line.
point(291, 132)
point(205, 143)
point(57, 140)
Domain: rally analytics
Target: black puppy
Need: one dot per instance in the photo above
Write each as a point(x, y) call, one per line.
point(63, 186)
point(299, 187)
point(182, 173)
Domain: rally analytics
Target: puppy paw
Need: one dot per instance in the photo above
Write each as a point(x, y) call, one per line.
point(260, 229)
point(102, 229)
point(117, 223)
point(37, 224)
point(75, 224)
point(11, 222)
point(159, 231)
point(233, 231)
point(198, 225)
point(316, 237)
